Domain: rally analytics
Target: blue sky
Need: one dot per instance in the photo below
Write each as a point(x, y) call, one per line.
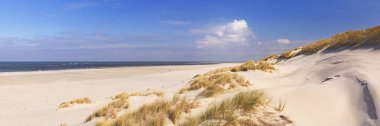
point(161, 30)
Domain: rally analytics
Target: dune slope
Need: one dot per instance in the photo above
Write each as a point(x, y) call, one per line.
point(340, 88)
point(333, 81)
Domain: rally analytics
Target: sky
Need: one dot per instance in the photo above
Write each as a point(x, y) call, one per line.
point(172, 30)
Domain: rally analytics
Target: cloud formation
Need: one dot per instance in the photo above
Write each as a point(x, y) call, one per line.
point(233, 34)
point(82, 40)
point(283, 41)
point(14, 42)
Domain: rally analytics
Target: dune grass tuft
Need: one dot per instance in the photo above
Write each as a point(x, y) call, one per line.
point(218, 79)
point(179, 106)
point(119, 102)
point(252, 65)
point(249, 65)
point(182, 90)
point(216, 83)
point(280, 106)
point(85, 100)
point(227, 111)
point(265, 66)
point(153, 114)
point(211, 91)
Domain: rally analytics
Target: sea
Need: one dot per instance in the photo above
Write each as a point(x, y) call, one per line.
point(46, 66)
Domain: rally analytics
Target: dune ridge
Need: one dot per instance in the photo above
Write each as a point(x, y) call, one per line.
point(350, 40)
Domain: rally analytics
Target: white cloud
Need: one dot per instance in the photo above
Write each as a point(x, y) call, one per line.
point(235, 33)
point(283, 41)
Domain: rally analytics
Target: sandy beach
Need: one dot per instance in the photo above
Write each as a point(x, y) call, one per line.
point(32, 98)
point(315, 89)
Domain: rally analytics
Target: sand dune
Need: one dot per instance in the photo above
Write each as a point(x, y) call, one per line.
point(333, 89)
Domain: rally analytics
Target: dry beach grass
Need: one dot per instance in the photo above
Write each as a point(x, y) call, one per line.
point(227, 112)
point(119, 102)
point(348, 40)
point(153, 114)
point(85, 100)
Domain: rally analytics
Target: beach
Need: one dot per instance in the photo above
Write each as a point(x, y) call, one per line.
point(32, 98)
point(315, 90)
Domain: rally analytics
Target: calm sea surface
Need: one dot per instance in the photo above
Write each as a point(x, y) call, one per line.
point(44, 66)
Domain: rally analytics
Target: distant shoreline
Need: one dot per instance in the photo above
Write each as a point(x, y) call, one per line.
point(10, 67)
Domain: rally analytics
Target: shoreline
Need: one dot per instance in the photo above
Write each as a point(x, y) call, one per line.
point(104, 68)
point(93, 74)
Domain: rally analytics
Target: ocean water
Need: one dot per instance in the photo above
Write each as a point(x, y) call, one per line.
point(44, 66)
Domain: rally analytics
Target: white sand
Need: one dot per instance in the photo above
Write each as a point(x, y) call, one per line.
point(31, 98)
point(340, 101)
